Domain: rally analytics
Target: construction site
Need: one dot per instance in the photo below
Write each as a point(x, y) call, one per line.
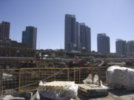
point(60, 78)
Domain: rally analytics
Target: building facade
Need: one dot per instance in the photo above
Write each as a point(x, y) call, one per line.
point(70, 35)
point(77, 36)
point(121, 47)
point(130, 48)
point(103, 43)
point(85, 38)
point(29, 37)
point(4, 30)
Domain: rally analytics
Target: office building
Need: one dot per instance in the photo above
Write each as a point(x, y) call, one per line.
point(77, 36)
point(103, 43)
point(121, 47)
point(29, 37)
point(85, 38)
point(70, 39)
point(4, 30)
point(130, 48)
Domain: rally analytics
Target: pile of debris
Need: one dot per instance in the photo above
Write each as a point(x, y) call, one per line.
point(58, 90)
point(120, 77)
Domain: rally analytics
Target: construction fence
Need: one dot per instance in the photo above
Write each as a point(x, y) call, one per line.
point(27, 79)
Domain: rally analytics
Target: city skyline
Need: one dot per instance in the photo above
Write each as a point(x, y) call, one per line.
point(115, 18)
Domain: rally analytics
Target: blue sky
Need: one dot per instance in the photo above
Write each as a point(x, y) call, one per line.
point(113, 17)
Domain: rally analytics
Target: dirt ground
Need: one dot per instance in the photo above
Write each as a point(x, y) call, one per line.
point(113, 95)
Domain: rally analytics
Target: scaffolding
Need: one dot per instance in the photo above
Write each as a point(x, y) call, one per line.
point(30, 77)
point(27, 79)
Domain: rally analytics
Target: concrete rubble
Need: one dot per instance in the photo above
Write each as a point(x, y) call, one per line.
point(93, 87)
point(92, 90)
point(10, 97)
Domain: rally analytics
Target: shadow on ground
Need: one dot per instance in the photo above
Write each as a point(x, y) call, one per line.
point(121, 92)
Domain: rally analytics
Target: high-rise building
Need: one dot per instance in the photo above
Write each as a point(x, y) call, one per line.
point(85, 38)
point(70, 37)
point(4, 30)
point(103, 43)
point(29, 37)
point(121, 47)
point(130, 48)
point(77, 36)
